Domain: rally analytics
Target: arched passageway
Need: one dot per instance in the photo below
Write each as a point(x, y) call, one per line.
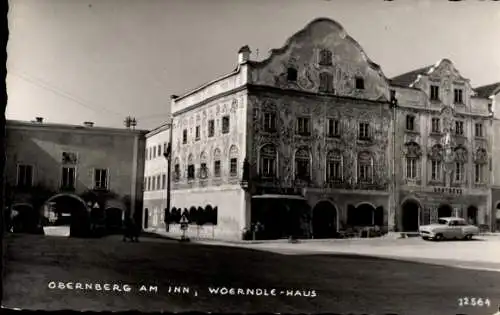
point(445, 211)
point(472, 215)
point(365, 215)
point(410, 216)
point(324, 220)
point(69, 210)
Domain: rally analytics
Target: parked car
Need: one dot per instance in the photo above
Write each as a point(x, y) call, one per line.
point(448, 228)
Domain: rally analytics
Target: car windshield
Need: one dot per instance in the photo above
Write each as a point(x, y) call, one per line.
point(442, 221)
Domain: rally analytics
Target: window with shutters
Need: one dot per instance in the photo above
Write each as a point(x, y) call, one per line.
point(101, 179)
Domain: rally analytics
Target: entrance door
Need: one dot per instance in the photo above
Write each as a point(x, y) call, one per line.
point(410, 216)
point(324, 220)
point(472, 215)
point(445, 211)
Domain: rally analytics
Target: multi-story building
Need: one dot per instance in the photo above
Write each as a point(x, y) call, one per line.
point(155, 177)
point(443, 148)
point(299, 141)
point(491, 92)
point(75, 169)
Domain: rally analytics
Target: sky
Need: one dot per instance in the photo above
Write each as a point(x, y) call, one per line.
point(71, 61)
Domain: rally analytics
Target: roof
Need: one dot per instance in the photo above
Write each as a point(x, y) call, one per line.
point(486, 91)
point(31, 124)
point(408, 78)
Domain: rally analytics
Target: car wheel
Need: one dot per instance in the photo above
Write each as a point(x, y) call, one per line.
point(438, 237)
point(468, 237)
point(425, 238)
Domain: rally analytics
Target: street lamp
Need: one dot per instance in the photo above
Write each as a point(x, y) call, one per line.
point(168, 156)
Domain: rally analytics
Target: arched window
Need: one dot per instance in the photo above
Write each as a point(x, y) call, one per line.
point(268, 161)
point(325, 82)
point(436, 164)
point(217, 165)
point(460, 162)
point(325, 57)
point(291, 74)
point(480, 164)
point(203, 165)
point(365, 167)
point(334, 166)
point(233, 161)
point(302, 164)
point(177, 169)
point(190, 168)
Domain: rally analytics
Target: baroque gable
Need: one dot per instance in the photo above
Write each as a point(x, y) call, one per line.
point(322, 53)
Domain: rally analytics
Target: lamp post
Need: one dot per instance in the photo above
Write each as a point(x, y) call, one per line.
point(394, 105)
point(168, 156)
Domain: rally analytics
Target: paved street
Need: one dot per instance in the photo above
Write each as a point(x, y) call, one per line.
point(342, 284)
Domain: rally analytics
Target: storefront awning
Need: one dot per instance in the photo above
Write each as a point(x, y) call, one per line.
point(277, 196)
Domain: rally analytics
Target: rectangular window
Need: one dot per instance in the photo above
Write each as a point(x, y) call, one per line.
point(233, 167)
point(154, 152)
point(149, 184)
point(458, 96)
point(333, 171)
point(360, 83)
point(163, 181)
point(269, 122)
point(153, 183)
point(191, 171)
point(147, 154)
point(211, 127)
point(459, 172)
point(333, 128)
point(479, 130)
point(410, 122)
point(436, 128)
point(268, 167)
point(165, 145)
point(435, 170)
point(100, 179)
point(434, 93)
point(203, 170)
point(225, 124)
point(459, 128)
point(217, 168)
point(478, 174)
point(411, 168)
point(364, 131)
point(158, 185)
point(159, 150)
point(184, 136)
point(302, 127)
point(197, 133)
point(68, 177)
point(24, 175)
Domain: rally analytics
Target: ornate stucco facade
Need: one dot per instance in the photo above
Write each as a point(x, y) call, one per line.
point(443, 152)
point(313, 120)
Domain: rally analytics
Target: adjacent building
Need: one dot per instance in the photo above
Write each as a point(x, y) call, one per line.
point(299, 142)
point(87, 172)
point(443, 147)
point(156, 177)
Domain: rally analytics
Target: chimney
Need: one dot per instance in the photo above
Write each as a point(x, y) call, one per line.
point(39, 120)
point(88, 124)
point(244, 54)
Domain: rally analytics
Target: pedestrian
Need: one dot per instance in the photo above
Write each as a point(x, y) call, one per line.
point(128, 229)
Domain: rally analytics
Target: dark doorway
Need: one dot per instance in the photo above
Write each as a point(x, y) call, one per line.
point(472, 213)
point(114, 220)
point(363, 215)
point(444, 211)
point(324, 220)
point(25, 220)
point(72, 212)
point(146, 218)
point(410, 216)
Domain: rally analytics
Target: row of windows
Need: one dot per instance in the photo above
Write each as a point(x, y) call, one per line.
point(203, 171)
point(211, 129)
point(436, 126)
point(25, 177)
point(436, 170)
point(156, 151)
point(157, 182)
point(325, 80)
point(457, 94)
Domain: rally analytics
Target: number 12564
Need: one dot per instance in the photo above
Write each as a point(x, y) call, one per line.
point(473, 301)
